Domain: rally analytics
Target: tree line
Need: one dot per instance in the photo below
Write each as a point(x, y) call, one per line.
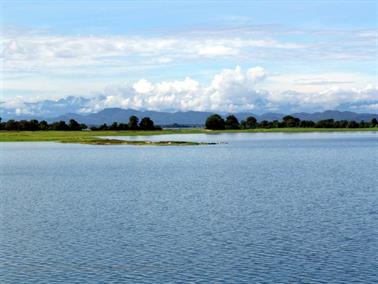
point(34, 125)
point(213, 122)
point(145, 123)
point(216, 122)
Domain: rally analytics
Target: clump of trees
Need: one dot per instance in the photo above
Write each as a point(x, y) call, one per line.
point(34, 125)
point(216, 122)
point(145, 124)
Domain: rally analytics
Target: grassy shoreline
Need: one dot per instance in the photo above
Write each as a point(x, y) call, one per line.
point(91, 137)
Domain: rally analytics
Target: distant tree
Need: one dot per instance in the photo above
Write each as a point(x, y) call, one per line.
point(352, 124)
point(103, 127)
point(337, 124)
point(23, 125)
point(75, 126)
point(340, 123)
point(363, 124)
point(249, 123)
point(11, 125)
point(291, 121)
point(232, 122)
point(215, 122)
point(33, 125)
point(146, 124)
point(133, 122)
point(43, 125)
point(60, 125)
point(325, 123)
point(373, 122)
point(114, 126)
point(275, 124)
point(264, 124)
point(306, 123)
point(123, 126)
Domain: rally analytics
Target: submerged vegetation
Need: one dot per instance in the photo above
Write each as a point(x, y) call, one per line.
point(100, 141)
point(91, 137)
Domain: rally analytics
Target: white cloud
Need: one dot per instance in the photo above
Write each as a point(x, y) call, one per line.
point(142, 86)
point(318, 82)
point(58, 65)
point(231, 90)
point(373, 107)
point(331, 98)
point(27, 51)
point(216, 50)
point(40, 52)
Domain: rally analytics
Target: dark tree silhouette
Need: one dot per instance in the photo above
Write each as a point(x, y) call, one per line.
point(43, 125)
point(374, 122)
point(291, 121)
point(146, 124)
point(61, 125)
point(75, 126)
point(114, 126)
point(232, 122)
point(249, 123)
point(352, 124)
point(133, 122)
point(325, 123)
point(215, 122)
point(11, 125)
point(306, 123)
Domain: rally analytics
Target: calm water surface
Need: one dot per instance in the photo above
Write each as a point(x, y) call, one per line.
point(264, 208)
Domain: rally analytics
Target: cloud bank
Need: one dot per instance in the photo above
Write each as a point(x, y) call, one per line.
point(231, 90)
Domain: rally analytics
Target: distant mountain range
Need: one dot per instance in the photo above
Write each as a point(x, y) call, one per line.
point(198, 118)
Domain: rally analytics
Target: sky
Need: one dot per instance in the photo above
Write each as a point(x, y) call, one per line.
point(221, 56)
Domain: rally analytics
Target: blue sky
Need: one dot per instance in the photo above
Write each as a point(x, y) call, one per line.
point(190, 55)
point(134, 17)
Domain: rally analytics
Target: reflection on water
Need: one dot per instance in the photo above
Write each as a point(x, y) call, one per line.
point(248, 137)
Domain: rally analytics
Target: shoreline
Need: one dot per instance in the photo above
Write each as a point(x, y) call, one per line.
point(91, 137)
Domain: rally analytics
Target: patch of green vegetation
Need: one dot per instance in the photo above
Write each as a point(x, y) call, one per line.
point(75, 136)
point(141, 143)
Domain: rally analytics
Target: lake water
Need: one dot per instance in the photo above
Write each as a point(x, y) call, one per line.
point(264, 208)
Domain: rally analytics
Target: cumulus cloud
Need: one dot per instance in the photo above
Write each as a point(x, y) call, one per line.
point(359, 99)
point(231, 90)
